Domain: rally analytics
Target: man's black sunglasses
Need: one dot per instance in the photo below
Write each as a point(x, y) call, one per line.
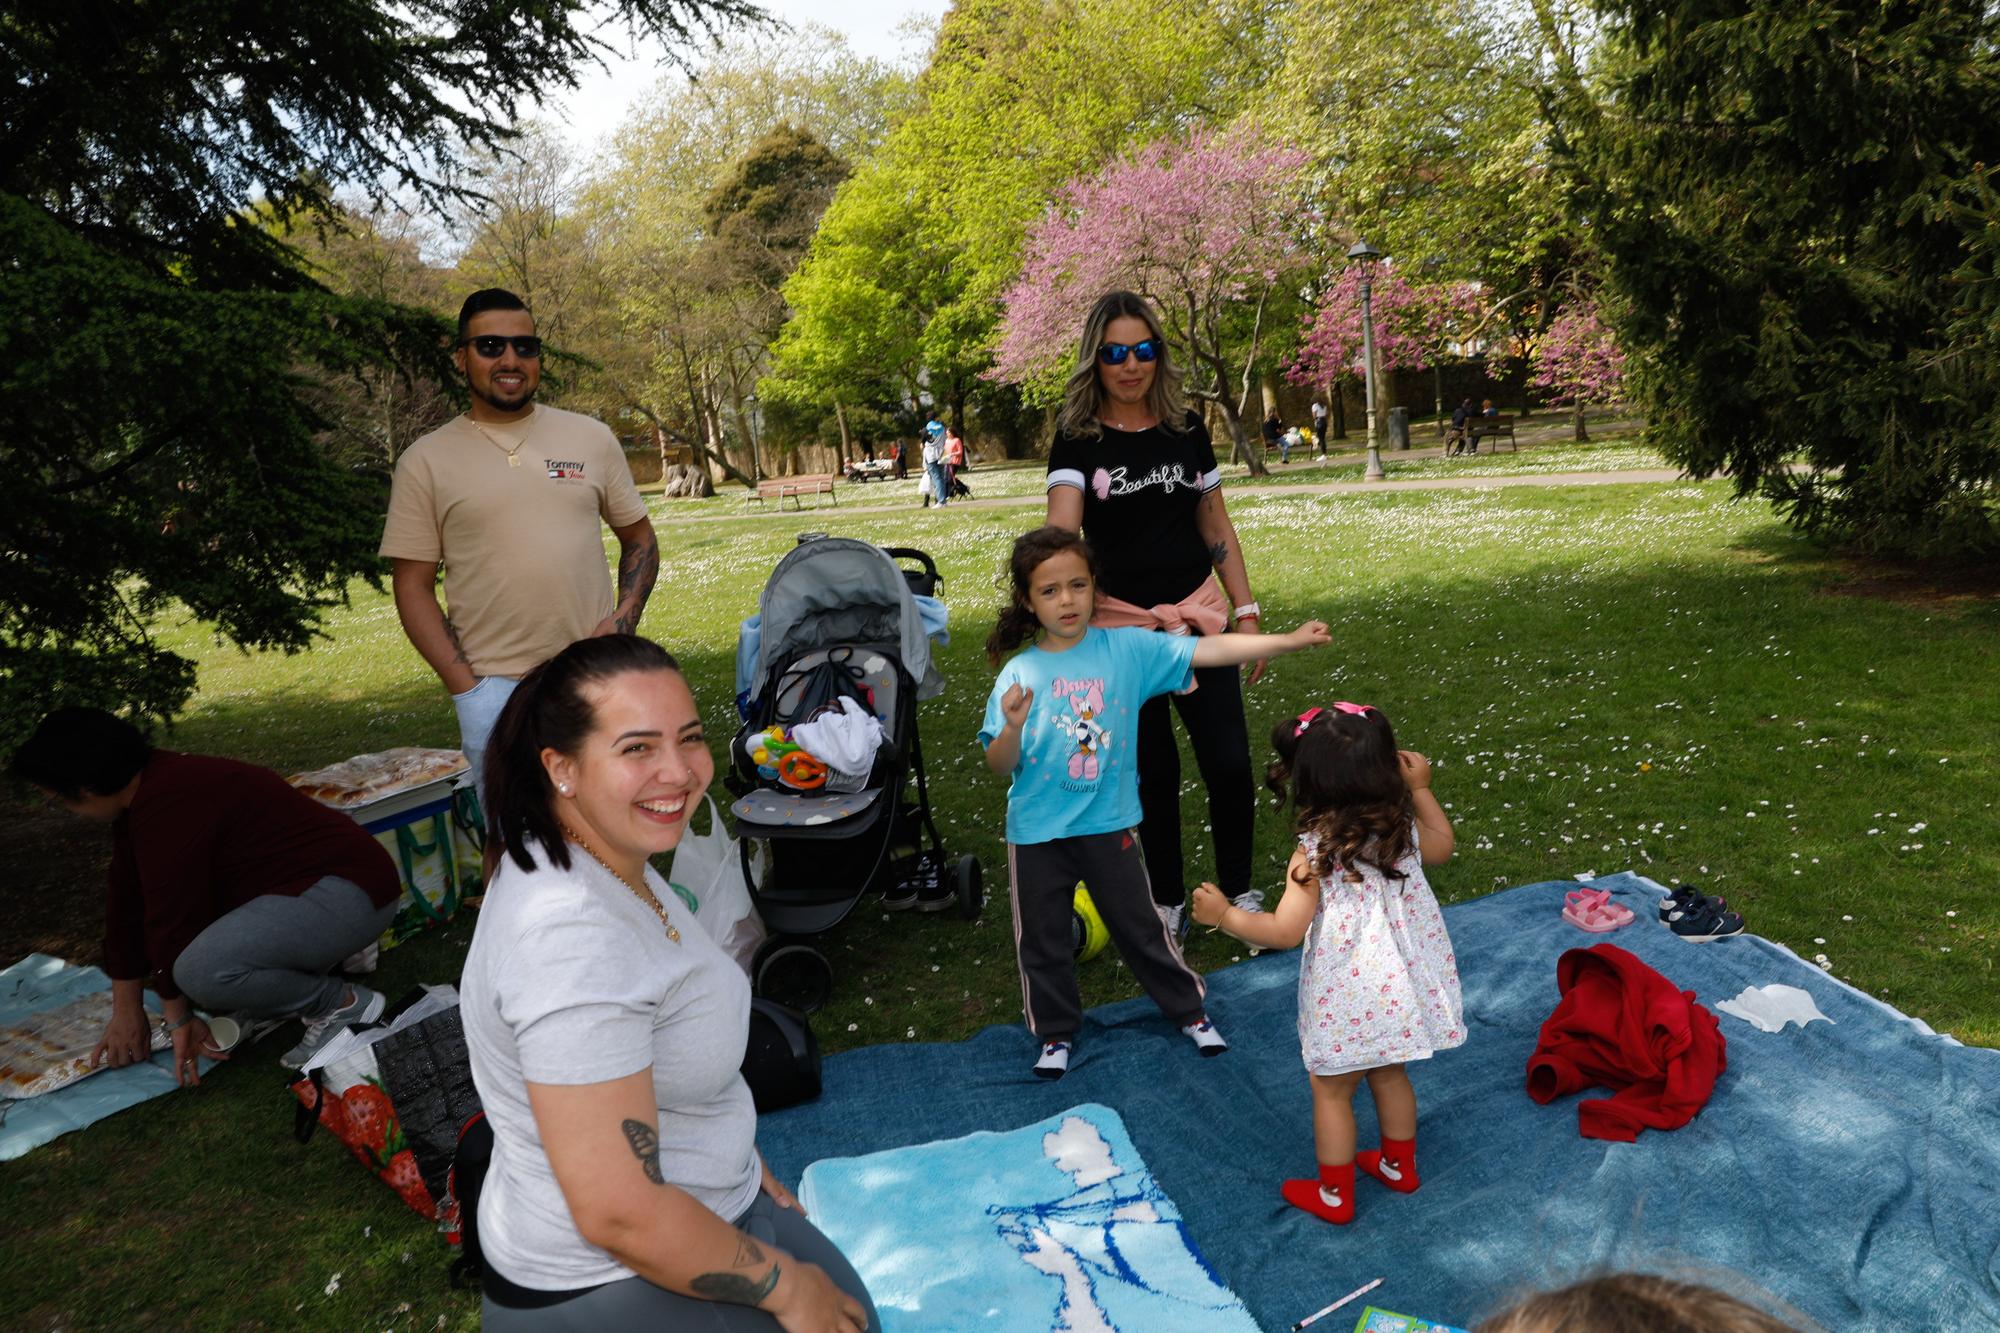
point(490, 345)
point(1114, 354)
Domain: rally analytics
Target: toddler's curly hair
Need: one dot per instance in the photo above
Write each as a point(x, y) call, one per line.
point(1341, 772)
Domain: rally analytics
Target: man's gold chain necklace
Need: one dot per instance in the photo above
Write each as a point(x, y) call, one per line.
point(645, 894)
point(513, 455)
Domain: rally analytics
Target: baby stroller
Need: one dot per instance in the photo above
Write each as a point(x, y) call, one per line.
point(840, 617)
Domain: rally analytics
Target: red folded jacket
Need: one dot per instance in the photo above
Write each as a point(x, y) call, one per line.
point(1623, 1026)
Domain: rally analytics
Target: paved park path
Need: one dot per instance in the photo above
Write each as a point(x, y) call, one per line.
point(1241, 490)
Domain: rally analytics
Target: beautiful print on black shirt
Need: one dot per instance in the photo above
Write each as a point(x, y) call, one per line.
point(1141, 489)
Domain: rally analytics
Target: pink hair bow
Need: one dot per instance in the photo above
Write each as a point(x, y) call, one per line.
point(1356, 709)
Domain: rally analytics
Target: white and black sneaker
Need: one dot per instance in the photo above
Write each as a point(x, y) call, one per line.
point(1205, 1038)
point(1055, 1060)
point(1250, 900)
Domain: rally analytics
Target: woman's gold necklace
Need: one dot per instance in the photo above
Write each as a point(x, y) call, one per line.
point(645, 894)
point(513, 455)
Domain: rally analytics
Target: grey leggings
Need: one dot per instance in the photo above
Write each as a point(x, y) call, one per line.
point(270, 957)
point(635, 1303)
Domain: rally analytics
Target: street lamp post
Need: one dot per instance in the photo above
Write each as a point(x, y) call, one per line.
point(1366, 255)
point(756, 429)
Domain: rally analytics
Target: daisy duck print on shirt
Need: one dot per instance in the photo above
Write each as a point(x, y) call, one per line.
point(1082, 723)
point(1076, 772)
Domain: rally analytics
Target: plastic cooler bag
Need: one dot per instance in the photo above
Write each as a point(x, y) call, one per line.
point(397, 1093)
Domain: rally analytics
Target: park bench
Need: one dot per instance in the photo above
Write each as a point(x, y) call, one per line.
point(1486, 428)
point(781, 488)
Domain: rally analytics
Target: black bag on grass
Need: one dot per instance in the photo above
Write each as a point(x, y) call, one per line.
point(781, 1059)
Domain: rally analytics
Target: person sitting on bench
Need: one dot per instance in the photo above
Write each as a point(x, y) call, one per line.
point(229, 888)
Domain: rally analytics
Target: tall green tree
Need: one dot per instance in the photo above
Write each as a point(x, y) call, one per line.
point(162, 342)
point(1793, 198)
point(1020, 96)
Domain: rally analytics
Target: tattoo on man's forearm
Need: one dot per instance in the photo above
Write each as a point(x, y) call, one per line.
point(747, 1252)
point(638, 569)
point(734, 1287)
point(452, 630)
point(645, 1141)
point(1219, 552)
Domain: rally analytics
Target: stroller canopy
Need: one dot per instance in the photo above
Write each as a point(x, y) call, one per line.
point(836, 590)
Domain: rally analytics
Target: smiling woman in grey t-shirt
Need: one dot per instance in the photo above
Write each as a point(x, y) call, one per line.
point(606, 1033)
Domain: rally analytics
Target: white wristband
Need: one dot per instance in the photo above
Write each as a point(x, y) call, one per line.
point(1249, 609)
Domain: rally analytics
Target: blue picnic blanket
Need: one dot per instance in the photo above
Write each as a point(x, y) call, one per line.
point(1849, 1167)
point(38, 983)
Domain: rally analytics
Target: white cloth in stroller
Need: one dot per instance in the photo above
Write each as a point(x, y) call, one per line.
point(845, 739)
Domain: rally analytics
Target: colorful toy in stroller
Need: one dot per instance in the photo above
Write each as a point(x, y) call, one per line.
point(843, 632)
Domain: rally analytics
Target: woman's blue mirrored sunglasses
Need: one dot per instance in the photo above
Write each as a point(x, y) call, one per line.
point(1114, 354)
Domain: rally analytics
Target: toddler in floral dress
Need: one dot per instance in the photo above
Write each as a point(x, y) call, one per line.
point(1378, 984)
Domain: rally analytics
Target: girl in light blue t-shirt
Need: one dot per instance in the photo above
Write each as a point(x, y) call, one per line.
point(1060, 723)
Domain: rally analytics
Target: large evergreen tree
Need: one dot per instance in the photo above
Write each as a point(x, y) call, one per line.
point(161, 345)
point(1791, 196)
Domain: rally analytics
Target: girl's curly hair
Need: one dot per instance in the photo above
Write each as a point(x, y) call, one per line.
point(1341, 772)
point(1017, 624)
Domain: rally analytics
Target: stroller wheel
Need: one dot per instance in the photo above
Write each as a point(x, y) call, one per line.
point(792, 973)
point(968, 880)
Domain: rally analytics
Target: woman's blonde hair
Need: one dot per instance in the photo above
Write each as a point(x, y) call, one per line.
point(1637, 1303)
point(1083, 395)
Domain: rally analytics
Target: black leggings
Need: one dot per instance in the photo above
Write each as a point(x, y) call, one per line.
point(1213, 716)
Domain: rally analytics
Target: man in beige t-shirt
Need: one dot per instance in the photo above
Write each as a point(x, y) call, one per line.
point(508, 497)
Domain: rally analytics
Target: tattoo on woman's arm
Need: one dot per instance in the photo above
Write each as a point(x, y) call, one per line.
point(735, 1287)
point(1219, 552)
point(645, 1141)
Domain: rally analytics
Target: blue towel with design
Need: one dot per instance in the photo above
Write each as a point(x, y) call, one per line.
point(1054, 1226)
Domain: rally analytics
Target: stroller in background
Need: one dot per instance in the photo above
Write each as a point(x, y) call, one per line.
point(842, 607)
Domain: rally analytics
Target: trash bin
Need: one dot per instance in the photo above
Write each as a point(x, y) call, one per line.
point(1399, 427)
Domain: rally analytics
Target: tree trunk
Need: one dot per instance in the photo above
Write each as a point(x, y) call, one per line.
point(1336, 404)
point(1252, 458)
point(1582, 432)
point(685, 479)
point(846, 441)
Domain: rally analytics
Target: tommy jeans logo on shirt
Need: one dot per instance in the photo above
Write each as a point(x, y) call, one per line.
point(564, 469)
point(1167, 476)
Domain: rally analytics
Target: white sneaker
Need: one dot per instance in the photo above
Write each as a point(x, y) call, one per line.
point(1055, 1060)
point(1206, 1039)
point(1175, 918)
point(1250, 900)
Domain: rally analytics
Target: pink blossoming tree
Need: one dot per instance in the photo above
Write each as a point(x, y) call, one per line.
point(1204, 229)
point(1578, 360)
point(1411, 324)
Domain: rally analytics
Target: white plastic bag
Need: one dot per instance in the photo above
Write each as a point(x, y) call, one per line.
point(707, 875)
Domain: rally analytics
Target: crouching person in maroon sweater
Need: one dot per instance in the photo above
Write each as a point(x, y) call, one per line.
point(229, 889)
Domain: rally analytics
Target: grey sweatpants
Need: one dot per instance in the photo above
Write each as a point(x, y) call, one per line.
point(270, 957)
point(1113, 868)
point(637, 1304)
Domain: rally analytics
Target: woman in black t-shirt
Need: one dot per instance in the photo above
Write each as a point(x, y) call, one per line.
point(1134, 470)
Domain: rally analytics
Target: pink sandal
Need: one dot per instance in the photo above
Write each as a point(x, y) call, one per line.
point(1593, 910)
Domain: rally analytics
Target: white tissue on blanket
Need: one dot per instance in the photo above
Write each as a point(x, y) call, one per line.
point(845, 740)
point(1769, 1008)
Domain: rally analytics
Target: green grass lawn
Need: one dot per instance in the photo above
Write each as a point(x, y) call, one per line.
point(1652, 677)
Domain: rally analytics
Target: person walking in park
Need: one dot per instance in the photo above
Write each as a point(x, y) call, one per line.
point(902, 457)
point(934, 465)
point(606, 1034)
point(508, 496)
point(1319, 426)
point(1378, 981)
point(229, 889)
point(954, 455)
point(1133, 469)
